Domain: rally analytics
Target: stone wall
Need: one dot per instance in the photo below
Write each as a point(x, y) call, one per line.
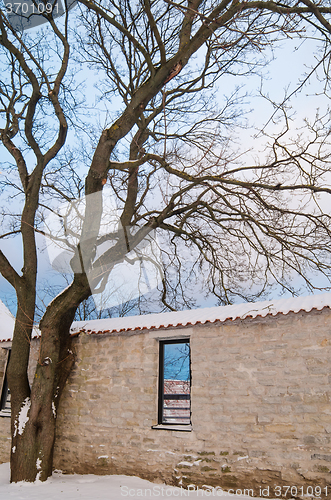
point(5, 439)
point(4, 421)
point(261, 413)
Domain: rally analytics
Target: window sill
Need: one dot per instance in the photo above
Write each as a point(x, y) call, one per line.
point(174, 427)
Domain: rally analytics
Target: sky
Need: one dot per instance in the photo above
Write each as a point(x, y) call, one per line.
point(291, 59)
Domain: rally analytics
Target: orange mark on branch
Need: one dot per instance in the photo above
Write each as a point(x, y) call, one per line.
point(174, 72)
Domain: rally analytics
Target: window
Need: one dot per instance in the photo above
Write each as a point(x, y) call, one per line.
point(175, 383)
point(4, 391)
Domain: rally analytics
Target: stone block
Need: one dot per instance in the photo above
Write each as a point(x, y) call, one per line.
point(280, 428)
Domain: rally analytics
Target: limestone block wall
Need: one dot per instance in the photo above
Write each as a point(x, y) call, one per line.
point(4, 421)
point(5, 439)
point(260, 400)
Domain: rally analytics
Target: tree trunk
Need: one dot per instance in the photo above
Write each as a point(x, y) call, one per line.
point(34, 419)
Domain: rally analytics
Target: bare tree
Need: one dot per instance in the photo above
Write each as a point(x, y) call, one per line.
point(168, 158)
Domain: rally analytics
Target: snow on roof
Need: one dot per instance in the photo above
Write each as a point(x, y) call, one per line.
point(181, 318)
point(206, 315)
point(7, 322)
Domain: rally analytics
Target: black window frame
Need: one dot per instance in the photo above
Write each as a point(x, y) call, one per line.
point(162, 343)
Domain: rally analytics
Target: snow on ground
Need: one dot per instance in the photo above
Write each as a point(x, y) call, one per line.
point(90, 487)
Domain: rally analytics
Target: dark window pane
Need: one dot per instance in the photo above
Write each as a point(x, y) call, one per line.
point(177, 361)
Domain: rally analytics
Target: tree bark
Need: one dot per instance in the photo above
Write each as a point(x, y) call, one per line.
point(34, 414)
